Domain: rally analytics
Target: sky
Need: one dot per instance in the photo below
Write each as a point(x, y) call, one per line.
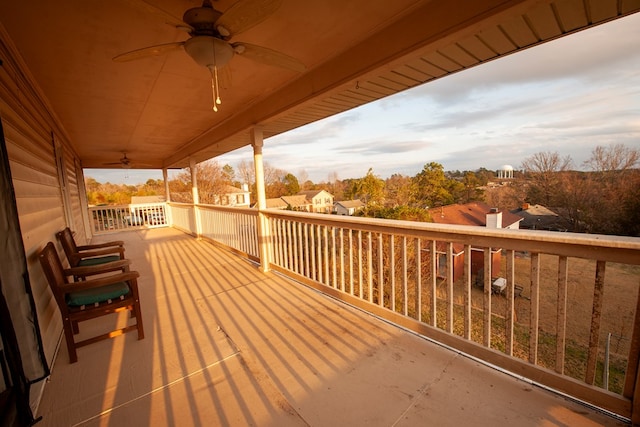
point(566, 96)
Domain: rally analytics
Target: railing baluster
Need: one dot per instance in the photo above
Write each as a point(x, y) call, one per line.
point(307, 243)
point(342, 272)
point(434, 283)
point(312, 235)
point(360, 284)
point(467, 291)
point(598, 291)
point(350, 261)
point(334, 266)
point(487, 297)
point(370, 266)
point(511, 297)
point(561, 318)
point(380, 272)
point(450, 287)
point(289, 248)
point(405, 281)
point(418, 298)
point(392, 270)
point(325, 238)
point(535, 308)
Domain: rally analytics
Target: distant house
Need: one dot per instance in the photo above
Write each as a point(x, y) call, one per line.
point(137, 200)
point(294, 203)
point(276, 203)
point(304, 201)
point(538, 217)
point(321, 200)
point(476, 214)
point(231, 196)
point(348, 207)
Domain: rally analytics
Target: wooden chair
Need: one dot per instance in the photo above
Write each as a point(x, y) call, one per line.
point(79, 301)
point(87, 255)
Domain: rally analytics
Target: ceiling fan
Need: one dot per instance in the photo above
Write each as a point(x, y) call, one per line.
point(124, 162)
point(210, 31)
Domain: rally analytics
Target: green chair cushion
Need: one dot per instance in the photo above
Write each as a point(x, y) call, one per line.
point(98, 260)
point(97, 295)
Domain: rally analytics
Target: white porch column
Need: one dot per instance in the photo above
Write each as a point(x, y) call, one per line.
point(165, 176)
point(167, 197)
point(264, 234)
point(196, 198)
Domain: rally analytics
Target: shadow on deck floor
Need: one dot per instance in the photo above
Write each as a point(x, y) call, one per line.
point(228, 345)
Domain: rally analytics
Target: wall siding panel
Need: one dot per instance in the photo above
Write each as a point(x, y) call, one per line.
point(30, 130)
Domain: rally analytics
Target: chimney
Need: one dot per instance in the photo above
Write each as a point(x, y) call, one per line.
point(245, 187)
point(525, 206)
point(494, 218)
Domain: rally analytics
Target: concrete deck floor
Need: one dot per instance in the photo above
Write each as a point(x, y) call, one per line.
point(228, 345)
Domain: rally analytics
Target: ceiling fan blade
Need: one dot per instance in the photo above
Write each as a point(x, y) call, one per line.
point(268, 56)
point(160, 13)
point(244, 14)
point(148, 52)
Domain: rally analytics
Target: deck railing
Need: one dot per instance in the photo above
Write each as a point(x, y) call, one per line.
point(555, 308)
point(106, 219)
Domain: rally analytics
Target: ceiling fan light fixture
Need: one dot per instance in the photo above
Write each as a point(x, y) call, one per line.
point(212, 53)
point(209, 51)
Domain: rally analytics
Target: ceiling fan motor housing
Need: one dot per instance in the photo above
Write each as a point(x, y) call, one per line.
point(202, 19)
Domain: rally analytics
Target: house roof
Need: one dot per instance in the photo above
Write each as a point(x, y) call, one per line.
point(348, 204)
point(276, 203)
point(310, 194)
point(474, 213)
point(539, 217)
point(147, 199)
point(297, 200)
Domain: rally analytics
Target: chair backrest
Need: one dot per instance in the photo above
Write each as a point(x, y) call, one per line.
point(69, 246)
point(54, 271)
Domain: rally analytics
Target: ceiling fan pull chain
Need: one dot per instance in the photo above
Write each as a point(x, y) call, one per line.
point(213, 90)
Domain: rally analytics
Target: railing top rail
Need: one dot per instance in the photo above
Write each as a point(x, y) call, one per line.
point(592, 246)
point(234, 209)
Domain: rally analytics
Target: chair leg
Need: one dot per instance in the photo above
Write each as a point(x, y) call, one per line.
point(136, 312)
point(68, 335)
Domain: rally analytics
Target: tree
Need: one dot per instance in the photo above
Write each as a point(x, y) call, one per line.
point(471, 191)
point(615, 157)
point(543, 169)
point(229, 175)
point(369, 189)
point(400, 190)
point(291, 184)
point(212, 183)
point(431, 186)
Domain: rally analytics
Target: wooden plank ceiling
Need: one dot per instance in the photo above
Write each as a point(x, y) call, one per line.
point(356, 52)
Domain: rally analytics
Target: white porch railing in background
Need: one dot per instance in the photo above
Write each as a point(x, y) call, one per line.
point(565, 293)
point(106, 219)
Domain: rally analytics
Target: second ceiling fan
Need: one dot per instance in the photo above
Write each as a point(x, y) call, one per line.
point(210, 33)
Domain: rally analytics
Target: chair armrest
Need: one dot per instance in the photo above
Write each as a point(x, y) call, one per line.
point(100, 245)
point(100, 281)
point(100, 252)
point(90, 270)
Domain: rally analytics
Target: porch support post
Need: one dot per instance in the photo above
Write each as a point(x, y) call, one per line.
point(264, 238)
point(196, 200)
point(167, 198)
point(165, 176)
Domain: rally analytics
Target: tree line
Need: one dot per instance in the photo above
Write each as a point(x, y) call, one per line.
point(603, 197)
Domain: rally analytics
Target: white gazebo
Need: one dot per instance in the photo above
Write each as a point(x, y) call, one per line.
point(505, 172)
